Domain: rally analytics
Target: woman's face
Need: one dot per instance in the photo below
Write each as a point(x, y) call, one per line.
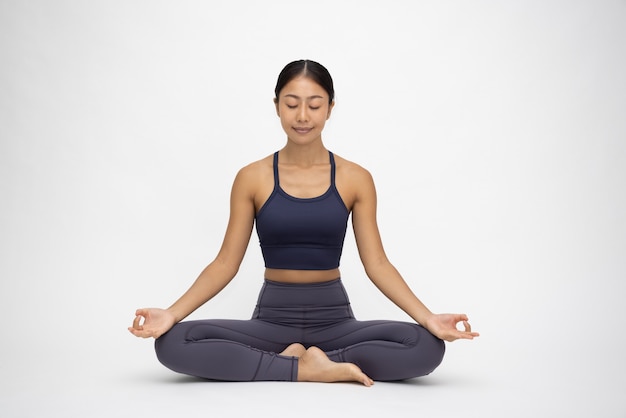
point(303, 109)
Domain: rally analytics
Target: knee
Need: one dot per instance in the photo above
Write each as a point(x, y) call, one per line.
point(165, 348)
point(431, 352)
point(160, 348)
point(425, 353)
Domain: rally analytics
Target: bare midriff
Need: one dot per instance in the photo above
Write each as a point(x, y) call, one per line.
point(301, 276)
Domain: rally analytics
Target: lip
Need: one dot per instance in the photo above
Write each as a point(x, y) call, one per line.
point(302, 130)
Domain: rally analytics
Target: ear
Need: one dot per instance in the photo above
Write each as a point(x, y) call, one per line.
point(276, 104)
point(330, 109)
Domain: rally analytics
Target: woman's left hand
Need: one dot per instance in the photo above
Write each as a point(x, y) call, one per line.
point(444, 327)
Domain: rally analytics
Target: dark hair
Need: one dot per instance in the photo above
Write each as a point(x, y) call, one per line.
point(307, 68)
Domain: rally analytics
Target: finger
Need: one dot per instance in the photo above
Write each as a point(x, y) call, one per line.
point(468, 335)
point(460, 317)
point(139, 333)
point(137, 323)
point(460, 335)
point(141, 312)
point(135, 332)
point(467, 326)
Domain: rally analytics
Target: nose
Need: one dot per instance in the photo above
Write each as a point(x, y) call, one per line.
point(303, 115)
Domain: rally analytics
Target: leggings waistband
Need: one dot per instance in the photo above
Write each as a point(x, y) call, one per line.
point(303, 303)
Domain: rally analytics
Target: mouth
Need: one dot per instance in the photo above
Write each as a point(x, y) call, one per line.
point(302, 131)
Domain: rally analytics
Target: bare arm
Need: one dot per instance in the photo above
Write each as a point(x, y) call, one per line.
point(217, 274)
point(384, 275)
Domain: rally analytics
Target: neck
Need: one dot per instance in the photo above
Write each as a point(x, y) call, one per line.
point(309, 154)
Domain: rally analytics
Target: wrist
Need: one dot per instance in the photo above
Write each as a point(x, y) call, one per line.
point(425, 319)
point(176, 315)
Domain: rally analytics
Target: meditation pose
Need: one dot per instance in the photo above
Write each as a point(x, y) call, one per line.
point(302, 328)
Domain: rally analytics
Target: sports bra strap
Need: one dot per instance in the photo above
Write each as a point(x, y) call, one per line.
point(332, 169)
point(276, 182)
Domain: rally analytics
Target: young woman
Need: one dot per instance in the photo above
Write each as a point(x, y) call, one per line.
point(302, 328)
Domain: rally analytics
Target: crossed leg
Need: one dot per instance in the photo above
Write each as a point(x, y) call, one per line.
point(315, 366)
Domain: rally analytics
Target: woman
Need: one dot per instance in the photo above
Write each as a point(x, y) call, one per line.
point(302, 328)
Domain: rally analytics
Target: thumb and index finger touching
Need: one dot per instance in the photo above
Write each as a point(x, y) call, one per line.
point(137, 328)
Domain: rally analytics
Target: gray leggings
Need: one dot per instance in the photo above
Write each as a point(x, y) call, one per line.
point(317, 314)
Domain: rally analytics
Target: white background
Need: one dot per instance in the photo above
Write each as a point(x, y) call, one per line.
point(495, 132)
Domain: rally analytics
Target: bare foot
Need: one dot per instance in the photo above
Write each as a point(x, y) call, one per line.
point(315, 366)
point(294, 350)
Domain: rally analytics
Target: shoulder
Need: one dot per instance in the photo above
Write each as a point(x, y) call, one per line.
point(255, 180)
point(256, 169)
point(354, 183)
point(351, 171)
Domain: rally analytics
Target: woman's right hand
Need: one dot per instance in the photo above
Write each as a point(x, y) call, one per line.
point(152, 322)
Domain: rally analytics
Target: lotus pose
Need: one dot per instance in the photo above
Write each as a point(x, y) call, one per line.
point(302, 327)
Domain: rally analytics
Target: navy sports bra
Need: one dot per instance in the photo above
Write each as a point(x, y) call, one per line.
point(302, 233)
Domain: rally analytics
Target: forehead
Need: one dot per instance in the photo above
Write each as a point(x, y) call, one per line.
point(303, 87)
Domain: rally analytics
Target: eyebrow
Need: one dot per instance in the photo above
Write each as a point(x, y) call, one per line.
point(308, 98)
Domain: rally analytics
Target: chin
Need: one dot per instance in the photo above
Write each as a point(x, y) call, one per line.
point(303, 140)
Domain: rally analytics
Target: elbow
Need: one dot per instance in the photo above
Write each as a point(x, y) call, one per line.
point(374, 268)
point(228, 270)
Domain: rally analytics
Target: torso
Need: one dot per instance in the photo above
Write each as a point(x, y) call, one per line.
point(303, 182)
point(301, 276)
